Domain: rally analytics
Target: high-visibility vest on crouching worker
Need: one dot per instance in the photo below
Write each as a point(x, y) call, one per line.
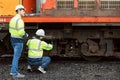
point(16, 27)
point(36, 47)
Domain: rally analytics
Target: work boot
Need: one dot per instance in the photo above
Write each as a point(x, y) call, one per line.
point(19, 76)
point(11, 74)
point(29, 68)
point(41, 69)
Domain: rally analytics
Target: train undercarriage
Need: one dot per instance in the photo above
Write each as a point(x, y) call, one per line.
point(70, 40)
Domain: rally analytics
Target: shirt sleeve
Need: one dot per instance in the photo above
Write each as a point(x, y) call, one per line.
point(20, 26)
point(46, 46)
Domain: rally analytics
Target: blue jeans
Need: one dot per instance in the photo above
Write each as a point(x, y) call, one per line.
point(43, 62)
point(17, 45)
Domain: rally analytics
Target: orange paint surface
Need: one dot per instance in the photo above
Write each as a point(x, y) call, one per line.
point(30, 6)
point(76, 3)
point(50, 19)
point(7, 7)
point(49, 4)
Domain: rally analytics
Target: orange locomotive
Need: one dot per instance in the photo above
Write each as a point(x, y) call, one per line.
point(78, 28)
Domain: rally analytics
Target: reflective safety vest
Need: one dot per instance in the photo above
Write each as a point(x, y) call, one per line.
point(16, 27)
point(36, 47)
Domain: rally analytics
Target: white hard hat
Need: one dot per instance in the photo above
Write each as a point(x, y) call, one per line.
point(40, 32)
point(19, 7)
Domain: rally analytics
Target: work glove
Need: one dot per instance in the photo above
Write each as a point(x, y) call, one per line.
point(25, 35)
point(52, 43)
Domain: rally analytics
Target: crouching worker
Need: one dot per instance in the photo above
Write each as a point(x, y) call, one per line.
point(35, 52)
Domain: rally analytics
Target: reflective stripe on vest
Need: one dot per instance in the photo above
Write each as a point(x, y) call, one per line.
point(16, 28)
point(34, 48)
point(38, 48)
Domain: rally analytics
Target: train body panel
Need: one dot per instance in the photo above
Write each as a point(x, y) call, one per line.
point(82, 8)
point(78, 28)
point(7, 7)
point(30, 6)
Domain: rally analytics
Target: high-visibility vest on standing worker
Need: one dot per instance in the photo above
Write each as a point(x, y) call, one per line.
point(16, 27)
point(36, 47)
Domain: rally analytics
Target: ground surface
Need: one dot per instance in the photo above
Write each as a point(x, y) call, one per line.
point(67, 70)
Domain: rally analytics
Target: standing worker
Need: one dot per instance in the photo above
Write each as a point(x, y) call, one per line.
point(17, 32)
point(35, 52)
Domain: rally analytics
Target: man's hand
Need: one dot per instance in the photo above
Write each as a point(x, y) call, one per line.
point(25, 35)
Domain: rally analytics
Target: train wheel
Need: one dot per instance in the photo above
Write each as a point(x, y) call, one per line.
point(91, 53)
point(84, 48)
